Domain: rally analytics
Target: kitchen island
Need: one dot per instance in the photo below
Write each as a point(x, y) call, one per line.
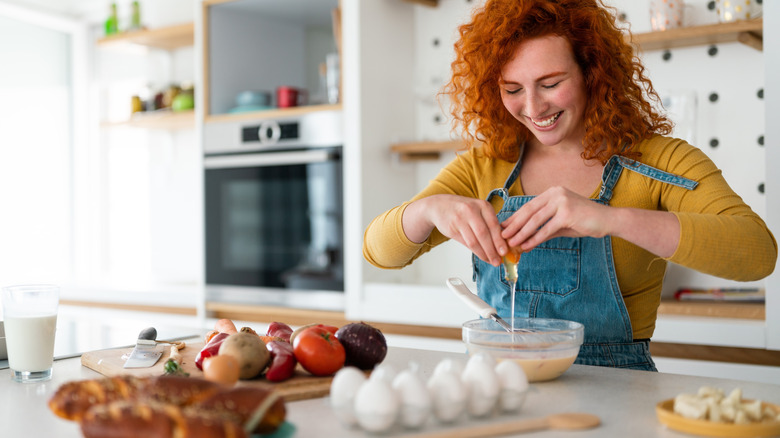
point(623, 399)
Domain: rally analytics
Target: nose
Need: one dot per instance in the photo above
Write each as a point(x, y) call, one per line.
point(535, 106)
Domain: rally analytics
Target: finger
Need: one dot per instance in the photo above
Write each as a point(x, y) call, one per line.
point(478, 239)
point(517, 221)
point(495, 245)
point(469, 240)
point(547, 231)
point(536, 230)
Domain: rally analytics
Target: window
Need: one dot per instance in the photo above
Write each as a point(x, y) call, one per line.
point(38, 116)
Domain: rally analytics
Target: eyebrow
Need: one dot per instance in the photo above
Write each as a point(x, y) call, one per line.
point(547, 76)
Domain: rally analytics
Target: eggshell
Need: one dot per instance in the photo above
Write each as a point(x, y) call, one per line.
point(416, 400)
point(484, 357)
point(343, 389)
point(385, 372)
point(483, 385)
point(449, 395)
point(514, 385)
point(376, 405)
point(449, 364)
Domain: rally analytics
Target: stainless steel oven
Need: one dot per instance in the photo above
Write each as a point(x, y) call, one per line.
point(273, 211)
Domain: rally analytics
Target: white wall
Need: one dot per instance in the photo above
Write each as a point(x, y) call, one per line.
point(772, 88)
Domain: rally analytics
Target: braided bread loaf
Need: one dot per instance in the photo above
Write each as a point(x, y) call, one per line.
point(167, 406)
point(127, 419)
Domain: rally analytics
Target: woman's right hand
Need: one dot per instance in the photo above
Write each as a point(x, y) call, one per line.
point(470, 221)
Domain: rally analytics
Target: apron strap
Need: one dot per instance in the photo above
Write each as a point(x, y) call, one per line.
point(658, 174)
point(609, 178)
point(504, 191)
point(615, 166)
point(515, 172)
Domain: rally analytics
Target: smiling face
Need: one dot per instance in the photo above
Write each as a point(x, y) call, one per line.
point(542, 86)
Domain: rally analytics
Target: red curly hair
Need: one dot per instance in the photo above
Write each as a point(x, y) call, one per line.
point(618, 114)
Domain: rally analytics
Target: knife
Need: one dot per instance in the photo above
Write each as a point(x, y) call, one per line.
point(145, 353)
point(484, 309)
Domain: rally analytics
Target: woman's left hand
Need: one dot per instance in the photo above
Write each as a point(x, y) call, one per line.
point(557, 212)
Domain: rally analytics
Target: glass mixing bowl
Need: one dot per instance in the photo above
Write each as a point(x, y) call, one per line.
point(544, 348)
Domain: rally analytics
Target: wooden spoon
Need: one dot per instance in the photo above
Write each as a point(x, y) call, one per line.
point(564, 421)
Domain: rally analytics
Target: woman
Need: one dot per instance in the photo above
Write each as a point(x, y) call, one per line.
point(569, 164)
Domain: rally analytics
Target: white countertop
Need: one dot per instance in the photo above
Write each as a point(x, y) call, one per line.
point(614, 395)
point(82, 329)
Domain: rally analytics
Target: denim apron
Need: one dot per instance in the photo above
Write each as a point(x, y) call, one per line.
point(574, 279)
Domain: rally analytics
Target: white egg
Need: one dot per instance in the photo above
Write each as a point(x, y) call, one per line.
point(483, 385)
point(416, 401)
point(385, 372)
point(453, 365)
point(376, 405)
point(449, 395)
point(514, 385)
point(484, 357)
point(343, 389)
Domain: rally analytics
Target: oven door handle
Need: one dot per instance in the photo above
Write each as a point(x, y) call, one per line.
point(269, 159)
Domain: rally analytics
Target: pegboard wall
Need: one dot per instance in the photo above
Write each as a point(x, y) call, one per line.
point(714, 94)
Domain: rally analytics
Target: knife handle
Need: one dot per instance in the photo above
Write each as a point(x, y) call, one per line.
point(149, 333)
point(475, 302)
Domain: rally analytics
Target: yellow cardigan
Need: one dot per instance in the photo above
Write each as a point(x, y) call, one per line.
point(719, 234)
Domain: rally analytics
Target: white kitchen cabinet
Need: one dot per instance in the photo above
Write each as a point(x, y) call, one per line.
point(384, 81)
point(380, 62)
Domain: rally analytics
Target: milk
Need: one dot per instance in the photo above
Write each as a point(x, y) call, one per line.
point(30, 342)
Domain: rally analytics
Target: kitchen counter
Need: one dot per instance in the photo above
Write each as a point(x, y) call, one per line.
point(82, 329)
point(615, 395)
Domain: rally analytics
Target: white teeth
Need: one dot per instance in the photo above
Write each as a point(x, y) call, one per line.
point(548, 122)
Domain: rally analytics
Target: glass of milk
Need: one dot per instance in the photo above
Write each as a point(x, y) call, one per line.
point(30, 314)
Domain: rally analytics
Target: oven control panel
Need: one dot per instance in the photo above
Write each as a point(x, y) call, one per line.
point(270, 132)
point(319, 129)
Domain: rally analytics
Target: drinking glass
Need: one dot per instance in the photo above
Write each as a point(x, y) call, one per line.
point(30, 315)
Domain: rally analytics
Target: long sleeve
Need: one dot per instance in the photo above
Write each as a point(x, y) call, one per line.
point(469, 174)
point(719, 234)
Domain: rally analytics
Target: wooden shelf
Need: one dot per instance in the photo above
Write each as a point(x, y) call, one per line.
point(161, 119)
point(713, 309)
point(748, 32)
point(430, 3)
point(272, 113)
point(427, 150)
point(166, 38)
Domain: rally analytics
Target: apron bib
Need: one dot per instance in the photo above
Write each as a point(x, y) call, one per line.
point(573, 278)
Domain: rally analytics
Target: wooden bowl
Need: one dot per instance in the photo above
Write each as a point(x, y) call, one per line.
point(665, 412)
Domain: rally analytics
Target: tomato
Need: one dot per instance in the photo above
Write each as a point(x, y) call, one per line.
point(331, 328)
point(318, 351)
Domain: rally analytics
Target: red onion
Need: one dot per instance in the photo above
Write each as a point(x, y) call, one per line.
point(364, 345)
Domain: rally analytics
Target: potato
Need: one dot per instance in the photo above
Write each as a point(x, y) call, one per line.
point(249, 350)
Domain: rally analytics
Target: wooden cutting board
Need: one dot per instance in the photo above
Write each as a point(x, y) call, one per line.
point(110, 363)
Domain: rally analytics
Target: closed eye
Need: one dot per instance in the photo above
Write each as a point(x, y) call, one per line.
point(515, 91)
point(551, 86)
